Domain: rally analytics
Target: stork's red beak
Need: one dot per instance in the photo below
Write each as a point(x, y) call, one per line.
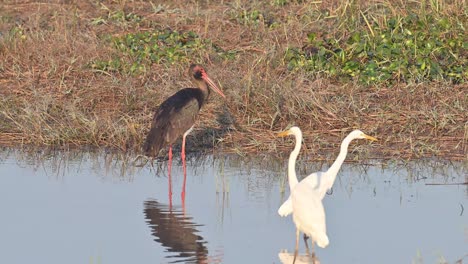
point(212, 84)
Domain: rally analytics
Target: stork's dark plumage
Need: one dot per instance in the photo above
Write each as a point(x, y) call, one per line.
point(176, 116)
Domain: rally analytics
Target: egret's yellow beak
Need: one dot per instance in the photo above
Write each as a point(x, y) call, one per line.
point(370, 138)
point(284, 133)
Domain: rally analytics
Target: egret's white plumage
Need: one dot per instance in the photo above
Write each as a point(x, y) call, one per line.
point(322, 181)
point(309, 214)
point(307, 208)
point(305, 201)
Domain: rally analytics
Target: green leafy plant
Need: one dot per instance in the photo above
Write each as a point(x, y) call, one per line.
point(117, 17)
point(416, 47)
point(136, 51)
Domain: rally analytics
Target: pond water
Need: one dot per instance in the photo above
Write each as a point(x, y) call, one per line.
point(96, 208)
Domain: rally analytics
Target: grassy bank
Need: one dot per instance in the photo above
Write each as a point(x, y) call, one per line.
point(91, 73)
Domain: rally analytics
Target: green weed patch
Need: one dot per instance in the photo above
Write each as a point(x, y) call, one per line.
point(410, 48)
point(135, 52)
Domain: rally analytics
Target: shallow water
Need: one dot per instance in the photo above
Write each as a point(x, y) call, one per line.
point(94, 208)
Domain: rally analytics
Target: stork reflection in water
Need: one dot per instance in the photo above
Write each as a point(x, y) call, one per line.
point(178, 233)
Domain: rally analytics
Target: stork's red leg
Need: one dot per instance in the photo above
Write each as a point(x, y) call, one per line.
point(184, 164)
point(169, 166)
point(183, 142)
point(185, 180)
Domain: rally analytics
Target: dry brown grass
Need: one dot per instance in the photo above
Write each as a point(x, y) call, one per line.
point(50, 96)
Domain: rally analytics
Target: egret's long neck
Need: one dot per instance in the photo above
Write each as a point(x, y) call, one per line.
point(335, 167)
point(292, 178)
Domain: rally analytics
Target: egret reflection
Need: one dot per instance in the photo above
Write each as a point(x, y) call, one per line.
point(176, 232)
point(287, 258)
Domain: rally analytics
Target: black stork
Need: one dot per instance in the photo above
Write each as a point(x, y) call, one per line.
point(177, 114)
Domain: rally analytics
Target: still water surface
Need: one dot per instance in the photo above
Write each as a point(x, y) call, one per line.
point(94, 208)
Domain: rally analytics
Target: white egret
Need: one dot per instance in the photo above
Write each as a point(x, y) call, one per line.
point(323, 181)
point(307, 208)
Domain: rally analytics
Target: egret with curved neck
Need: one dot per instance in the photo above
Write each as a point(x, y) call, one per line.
point(307, 208)
point(292, 178)
point(326, 178)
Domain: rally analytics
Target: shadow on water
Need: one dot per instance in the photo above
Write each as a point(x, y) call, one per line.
point(177, 232)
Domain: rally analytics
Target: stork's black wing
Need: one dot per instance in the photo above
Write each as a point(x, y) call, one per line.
point(173, 117)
